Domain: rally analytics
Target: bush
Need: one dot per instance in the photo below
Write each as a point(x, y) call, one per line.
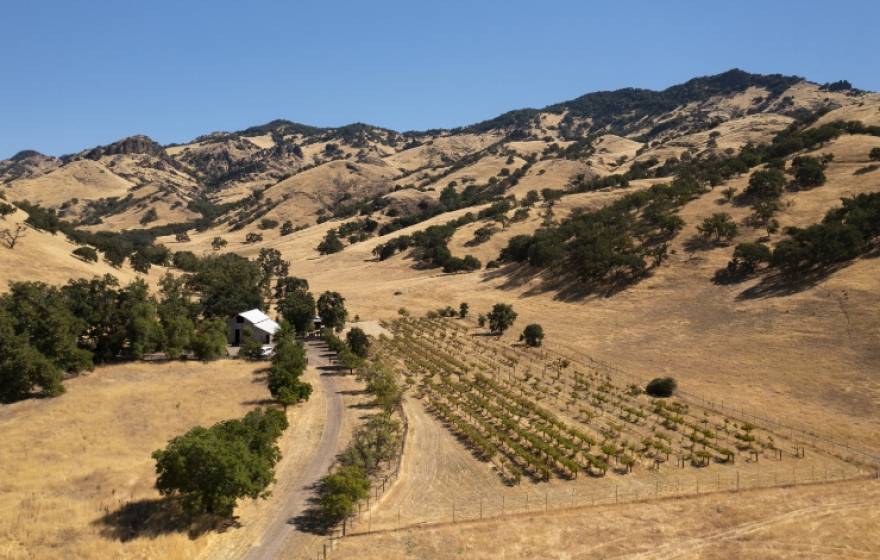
point(661, 387)
point(181, 237)
point(874, 154)
point(766, 184)
point(87, 254)
point(253, 237)
point(6, 209)
point(218, 243)
point(286, 228)
point(533, 335)
point(298, 309)
point(268, 223)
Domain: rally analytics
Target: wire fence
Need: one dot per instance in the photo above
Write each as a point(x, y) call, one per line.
point(864, 464)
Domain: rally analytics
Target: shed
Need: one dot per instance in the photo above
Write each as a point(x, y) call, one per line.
point(261, 328)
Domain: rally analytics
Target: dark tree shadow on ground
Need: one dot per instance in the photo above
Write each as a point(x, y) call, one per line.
point(155, 517)
point(568, 287)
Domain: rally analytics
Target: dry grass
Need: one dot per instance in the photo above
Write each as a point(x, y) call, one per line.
point(69, 461)
point(824, 521)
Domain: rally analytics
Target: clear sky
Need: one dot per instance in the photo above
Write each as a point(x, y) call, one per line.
point(76, 74)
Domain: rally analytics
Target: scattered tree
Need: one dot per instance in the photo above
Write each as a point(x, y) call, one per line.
point(218, 243)
point(501, 318)
point(533, 335)
point(358, 342)
point(87, 254)
point(331, 309)
point(719, 225)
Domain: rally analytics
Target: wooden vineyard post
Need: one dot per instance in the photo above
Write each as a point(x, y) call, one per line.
point(453, 510)
point(737, 481)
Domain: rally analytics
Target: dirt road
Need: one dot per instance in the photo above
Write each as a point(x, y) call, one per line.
point(280, 534)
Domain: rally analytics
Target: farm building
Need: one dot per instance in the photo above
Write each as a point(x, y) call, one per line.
point(254, 323)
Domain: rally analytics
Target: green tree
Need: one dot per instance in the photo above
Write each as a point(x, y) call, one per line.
point(719, 225)
point(211, 468)
point(298, 309)
point(331, 309)
point(533, 335)
point(330, 244)
point(747, 256)
point(501, 318)
point(23, 369)
point(766, 184)
point(358, 341)
point(41, 315)
point(874, 154)
point(531, 198)
point(209, 341)
point(286, 228)
point(181, 237)
point(227, 284)
point(87, 254)
point(463, 310)
point(271, 266)
point(218, 243)
point(253, 237)
point(288, 365)
point(341, 490)
point(808, 171)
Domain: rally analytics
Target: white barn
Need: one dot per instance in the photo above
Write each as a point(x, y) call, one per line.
point(262, 328)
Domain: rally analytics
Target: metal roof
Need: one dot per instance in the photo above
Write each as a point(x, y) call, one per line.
point(260, 320)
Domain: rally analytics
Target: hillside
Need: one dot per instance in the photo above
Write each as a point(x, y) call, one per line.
point(722, 232)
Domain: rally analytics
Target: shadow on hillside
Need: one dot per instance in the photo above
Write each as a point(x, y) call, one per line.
point(155, 517)
point(776, 284)
point(566, 286)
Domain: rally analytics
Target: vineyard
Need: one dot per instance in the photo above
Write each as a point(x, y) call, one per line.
point(539, 416)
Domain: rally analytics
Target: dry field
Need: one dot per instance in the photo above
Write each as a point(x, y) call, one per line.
point(837, 520)
point(68, 462)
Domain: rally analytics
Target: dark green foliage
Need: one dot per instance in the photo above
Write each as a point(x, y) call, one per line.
point(211, 468)
point(467, 264)
point(186, 261)
point(253, 237)
point(530, 199)
point(218, 243)
point(286, 228)
point(250, 349)
point(331, 309)
point(298, 308)
point(45, 219)
point(288, 284)
point(661, 387)
point(463, 310)
point(330, 244)
point(719, 226)
point(843, 234)
point(227, 284)
point(808, 172)
point(149, 216)
point(181, 237)
point(382, 384)
point(209, 340)
point(271, 266)
point(358, 342)
point(501, 318)
point(766, 184)
point(288, 364)
point(24, 370)
point(874, 154)
point(388, 249)
point(6, 209)
point(268, 223)
point(533, 335)
point(866, 169)
point(87, 254)
point(748, 256)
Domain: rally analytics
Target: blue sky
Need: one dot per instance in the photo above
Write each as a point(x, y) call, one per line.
point(82, 73)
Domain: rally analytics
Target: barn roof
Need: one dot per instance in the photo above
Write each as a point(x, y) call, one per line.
point(260, 320)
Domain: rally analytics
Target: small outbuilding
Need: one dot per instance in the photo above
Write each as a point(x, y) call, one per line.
point(253, 323)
